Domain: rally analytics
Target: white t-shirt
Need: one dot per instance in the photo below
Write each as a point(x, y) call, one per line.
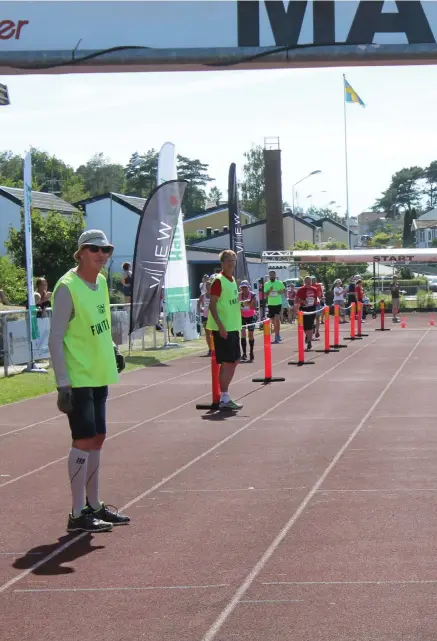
point(339, 294)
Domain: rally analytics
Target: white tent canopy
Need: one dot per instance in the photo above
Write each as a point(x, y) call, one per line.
point(397, 256)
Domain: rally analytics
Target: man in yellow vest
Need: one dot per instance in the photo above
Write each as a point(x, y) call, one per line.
point(85, 362)
point(224, 320)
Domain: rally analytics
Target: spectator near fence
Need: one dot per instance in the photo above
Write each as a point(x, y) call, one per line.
point(395, 299)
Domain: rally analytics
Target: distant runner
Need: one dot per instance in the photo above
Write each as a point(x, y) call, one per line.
point(306, 301)
point(203, 309)
point(274, 289)
point(248, 317)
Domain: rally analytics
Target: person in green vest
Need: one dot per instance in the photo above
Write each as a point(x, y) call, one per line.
point(274, 289)
point(85, 362)
point(224, 320)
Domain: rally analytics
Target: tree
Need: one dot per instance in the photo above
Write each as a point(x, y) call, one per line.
point(74, 190)
point(49, 173)
point(253, 183)
point(408, 234)
point(141, 173)
point(54, 241)
point(403, 191)
point(215, 195)
point(13, 281)
point(100, 176)
point(430, 175)
point(195, 173)
point(381, 239)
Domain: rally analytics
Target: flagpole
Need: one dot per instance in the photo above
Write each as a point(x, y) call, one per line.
point(346, 163)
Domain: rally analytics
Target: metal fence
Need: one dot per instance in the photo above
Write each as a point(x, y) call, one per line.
point(16, 353)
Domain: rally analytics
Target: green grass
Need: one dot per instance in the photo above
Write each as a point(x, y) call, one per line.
point(25, 385)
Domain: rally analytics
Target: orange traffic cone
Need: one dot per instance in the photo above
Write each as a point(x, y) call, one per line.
point(431, 322)
point(403, 323)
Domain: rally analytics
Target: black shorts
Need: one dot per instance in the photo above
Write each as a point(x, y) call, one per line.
point(249, 321)
point(88, 417)
point(227, 350)
point(309, 319)
point(274, 310)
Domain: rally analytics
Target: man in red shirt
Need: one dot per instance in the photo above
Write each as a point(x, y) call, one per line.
point(306, 301)
point(321, 296)
point(359, 293)
point(224, 319)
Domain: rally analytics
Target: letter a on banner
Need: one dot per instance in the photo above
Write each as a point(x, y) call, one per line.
point(153, 243)
point(177, 288)
point(235, 231)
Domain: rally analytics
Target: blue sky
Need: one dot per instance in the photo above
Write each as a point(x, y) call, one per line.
point(216, 116)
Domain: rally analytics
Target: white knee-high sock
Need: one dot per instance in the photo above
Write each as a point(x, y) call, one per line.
point(77, 468)
point(92, 479)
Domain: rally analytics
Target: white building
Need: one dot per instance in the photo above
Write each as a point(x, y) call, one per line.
point(426, 229)
point(11, 203)
point(255, 237)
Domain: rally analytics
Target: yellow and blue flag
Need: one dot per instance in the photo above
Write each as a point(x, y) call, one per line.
point(350, 95)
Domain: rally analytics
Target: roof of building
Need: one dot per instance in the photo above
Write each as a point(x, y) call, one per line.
point(430, 215)
point(263, 221)
point(216, 209)
point(136, 204)
point(423, 224)
point(40, 200)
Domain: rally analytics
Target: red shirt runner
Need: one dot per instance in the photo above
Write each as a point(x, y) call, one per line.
point(216, 287)
point(307, 296)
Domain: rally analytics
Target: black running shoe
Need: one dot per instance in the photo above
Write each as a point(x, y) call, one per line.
point(252, 358)
point(87, 522)
point(107, 515)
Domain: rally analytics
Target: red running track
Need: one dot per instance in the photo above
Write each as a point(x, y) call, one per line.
point(310, 515)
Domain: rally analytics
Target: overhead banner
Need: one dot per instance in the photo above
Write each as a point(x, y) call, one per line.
point(152, 249)
point(27, 184)
point(235, 231)
point(400, 256)
point(192, 35)
point(177, 287)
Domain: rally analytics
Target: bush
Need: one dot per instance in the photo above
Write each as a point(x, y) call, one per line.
point(13, 281)
point(425, 300)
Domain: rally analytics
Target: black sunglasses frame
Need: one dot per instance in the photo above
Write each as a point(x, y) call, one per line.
point(94, 249)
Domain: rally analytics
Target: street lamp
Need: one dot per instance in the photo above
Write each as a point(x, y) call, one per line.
point(313, 173)
point(4, 96)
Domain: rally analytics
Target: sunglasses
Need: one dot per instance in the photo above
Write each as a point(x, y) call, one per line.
point(94, 249)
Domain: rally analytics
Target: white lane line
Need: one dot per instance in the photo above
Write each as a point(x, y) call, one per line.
point(127, 589)
point(185, 467)
point(20, 553)
point(271, 601)
point(265, 558)
point(241, 489)
point(113, 398)
point(133, 427)
point(388, 489)
point(382, 582)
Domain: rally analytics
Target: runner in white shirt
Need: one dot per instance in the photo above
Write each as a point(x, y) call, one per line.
point(203, 310)
point(339, 292)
